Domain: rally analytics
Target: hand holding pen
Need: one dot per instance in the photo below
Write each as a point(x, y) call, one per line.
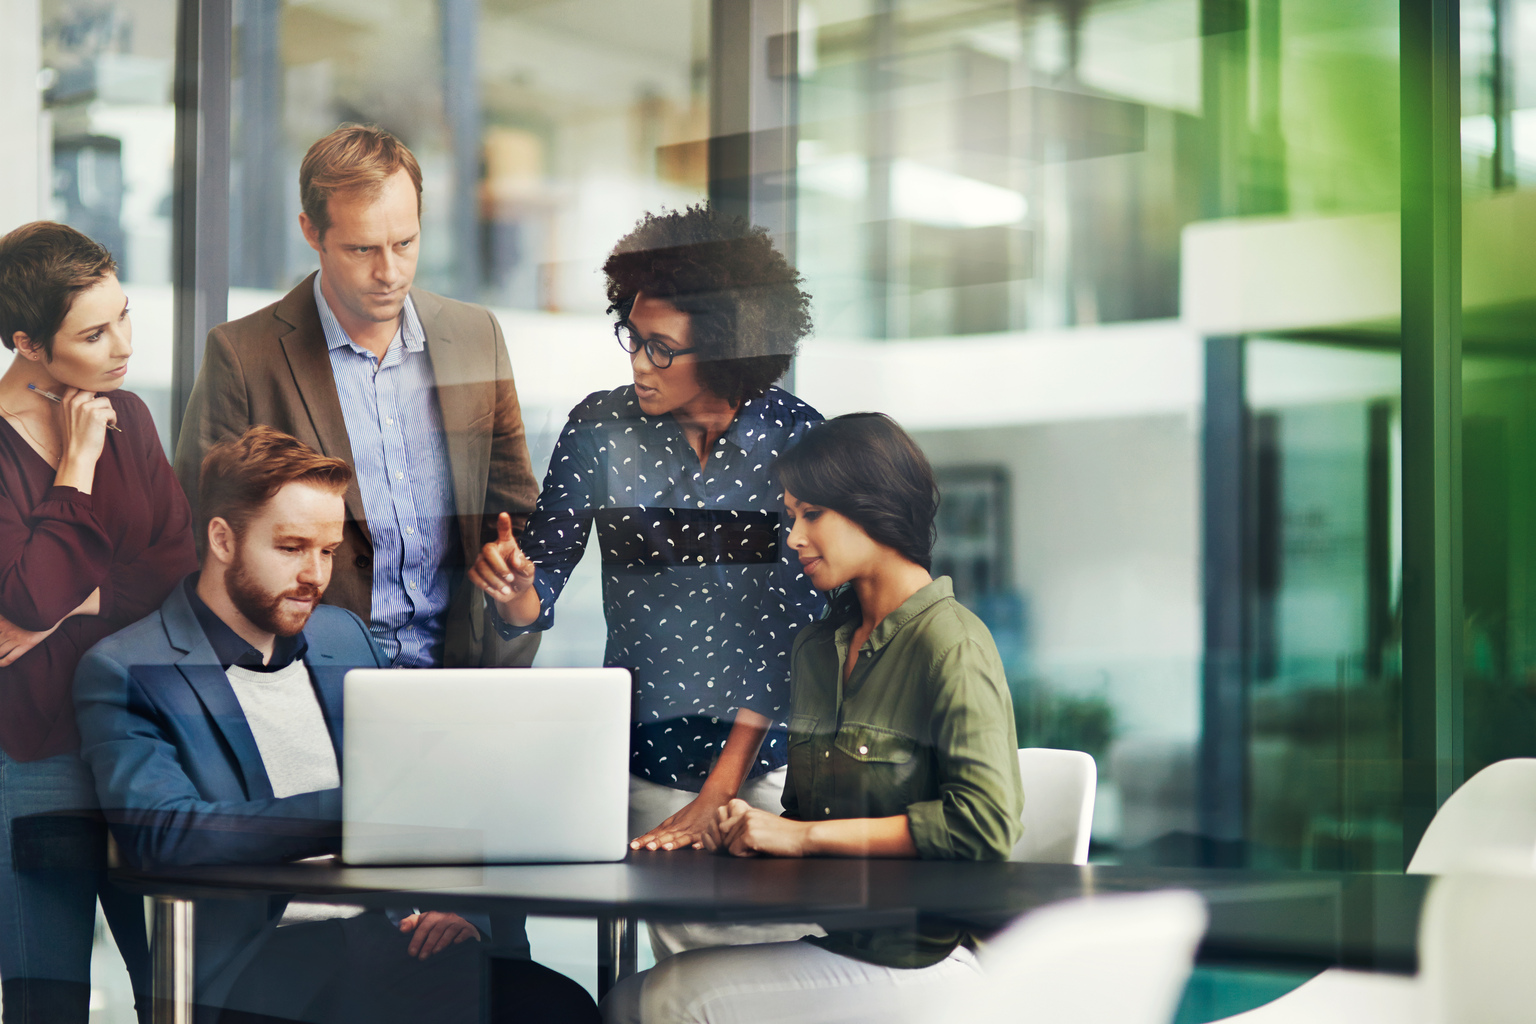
point(59, 400)
point(85, 417)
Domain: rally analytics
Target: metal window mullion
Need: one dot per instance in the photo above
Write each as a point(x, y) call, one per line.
point(200, 189)
point(1432, 722)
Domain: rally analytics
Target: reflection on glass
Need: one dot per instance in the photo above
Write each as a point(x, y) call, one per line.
point(544, 131)
point(107, 71)
point(1498, 688)
point(1020, 223)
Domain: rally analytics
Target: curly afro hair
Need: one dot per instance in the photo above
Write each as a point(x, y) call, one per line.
point(746, 309)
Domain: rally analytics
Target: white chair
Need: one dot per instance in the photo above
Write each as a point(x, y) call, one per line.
point(1059, 788)
point(1492, 816)
point(1490, 820)
point(1477, 941)
point(1121, 959)
point(1338, 996)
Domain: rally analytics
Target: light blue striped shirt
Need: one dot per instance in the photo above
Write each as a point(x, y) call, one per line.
point(405, 481)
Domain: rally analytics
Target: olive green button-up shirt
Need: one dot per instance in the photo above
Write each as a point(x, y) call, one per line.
point(923, 727)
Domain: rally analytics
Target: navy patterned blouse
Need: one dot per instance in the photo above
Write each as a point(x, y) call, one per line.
point(702, 596)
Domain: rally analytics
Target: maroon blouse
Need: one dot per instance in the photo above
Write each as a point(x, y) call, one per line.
point(131, 536)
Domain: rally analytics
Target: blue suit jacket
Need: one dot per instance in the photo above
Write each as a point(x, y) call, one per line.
point(178, 773)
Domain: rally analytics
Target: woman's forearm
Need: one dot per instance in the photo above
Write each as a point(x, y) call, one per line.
point(522, 610)
point(90, 606)
point(860, 837)
point(735, 760)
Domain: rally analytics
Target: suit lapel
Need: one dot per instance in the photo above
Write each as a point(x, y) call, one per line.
point(202, 671)
point(328, 687)
point(466, 396)
point(310, 362)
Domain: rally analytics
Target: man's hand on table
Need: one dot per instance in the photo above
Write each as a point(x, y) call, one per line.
point(745, 831)
point(693, 826)
point(434, 931)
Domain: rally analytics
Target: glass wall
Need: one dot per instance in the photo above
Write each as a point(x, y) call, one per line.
point(106, 147)
point(1498, 664)
point(544, 131)
point(1022, 224)
point(1128, 269)
point(1025, 227)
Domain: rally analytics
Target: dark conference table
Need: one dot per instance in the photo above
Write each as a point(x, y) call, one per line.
point(1284, 919)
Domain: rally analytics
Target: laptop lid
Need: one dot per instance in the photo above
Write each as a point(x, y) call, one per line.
point(465, 766)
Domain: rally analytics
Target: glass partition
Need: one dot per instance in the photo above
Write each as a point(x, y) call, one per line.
point(1023, 225)
point(1498, 97)
point(109, 128)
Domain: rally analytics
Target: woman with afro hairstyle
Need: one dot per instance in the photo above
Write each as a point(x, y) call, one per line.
point(701, 596)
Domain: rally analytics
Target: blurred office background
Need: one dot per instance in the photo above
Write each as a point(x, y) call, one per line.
point(1129, 269)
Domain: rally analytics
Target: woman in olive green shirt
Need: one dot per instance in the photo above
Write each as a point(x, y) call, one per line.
point(901, 744)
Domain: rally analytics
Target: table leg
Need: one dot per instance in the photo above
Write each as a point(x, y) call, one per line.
point(171, 948)
point(616, 957)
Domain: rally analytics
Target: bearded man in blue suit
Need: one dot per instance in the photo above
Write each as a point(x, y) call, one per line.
point(214, 728)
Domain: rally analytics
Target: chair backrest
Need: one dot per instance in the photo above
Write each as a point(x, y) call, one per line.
point(1059, 788)
point(1492, 815)
point(1477, 938)
point(1118, 959)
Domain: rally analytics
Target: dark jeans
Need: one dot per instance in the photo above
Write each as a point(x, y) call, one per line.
point(52, 871)
point(357, 971)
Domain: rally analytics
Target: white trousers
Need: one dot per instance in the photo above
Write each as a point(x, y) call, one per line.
point(785, 982)
point(650, 804)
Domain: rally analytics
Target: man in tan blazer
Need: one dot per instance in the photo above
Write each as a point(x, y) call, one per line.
point(413, 390)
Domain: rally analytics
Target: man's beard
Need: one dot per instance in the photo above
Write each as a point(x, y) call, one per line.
point(264, 609)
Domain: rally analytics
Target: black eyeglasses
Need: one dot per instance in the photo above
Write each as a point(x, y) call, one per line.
point(657, 352)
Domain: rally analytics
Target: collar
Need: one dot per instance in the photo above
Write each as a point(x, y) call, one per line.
point(410, 332)
point(908, 610)
point(230, 648)
point(750, 424)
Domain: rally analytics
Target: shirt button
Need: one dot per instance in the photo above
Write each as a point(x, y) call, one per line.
point(411, 585)
point(399, 475)
point(827, 754)
point(826, 810)
point(389, 422)
point(863, 750)
point(701, 504)
point(410, 530)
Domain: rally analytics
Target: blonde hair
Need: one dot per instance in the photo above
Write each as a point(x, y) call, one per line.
point(354, 158)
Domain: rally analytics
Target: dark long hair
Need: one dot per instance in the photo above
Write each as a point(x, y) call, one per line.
point(866, 467)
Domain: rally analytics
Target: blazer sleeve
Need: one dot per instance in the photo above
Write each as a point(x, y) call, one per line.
point(155, 810)
point(219, 407)
point(511, 486)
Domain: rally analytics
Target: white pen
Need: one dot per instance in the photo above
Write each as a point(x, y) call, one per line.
point(55, 398)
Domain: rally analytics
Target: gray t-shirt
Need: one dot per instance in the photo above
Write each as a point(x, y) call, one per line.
point(285, 718)
point(289, 727)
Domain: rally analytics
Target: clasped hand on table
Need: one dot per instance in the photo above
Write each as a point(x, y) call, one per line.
point(434, 931)
point(730, 826)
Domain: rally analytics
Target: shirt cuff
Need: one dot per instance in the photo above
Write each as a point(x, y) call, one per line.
point(546, 618)
point(930, 832)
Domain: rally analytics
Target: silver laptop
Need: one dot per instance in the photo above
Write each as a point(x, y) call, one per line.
point(485, 766)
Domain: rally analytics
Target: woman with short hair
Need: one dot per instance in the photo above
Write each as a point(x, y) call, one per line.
point(700, 595)
point(94, 532)
point(901, 744)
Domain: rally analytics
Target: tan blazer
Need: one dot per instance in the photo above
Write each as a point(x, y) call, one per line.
point(273, 367)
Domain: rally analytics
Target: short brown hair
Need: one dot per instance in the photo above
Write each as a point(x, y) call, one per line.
point(43, 266)
point(353, 158)
point(241, 474)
